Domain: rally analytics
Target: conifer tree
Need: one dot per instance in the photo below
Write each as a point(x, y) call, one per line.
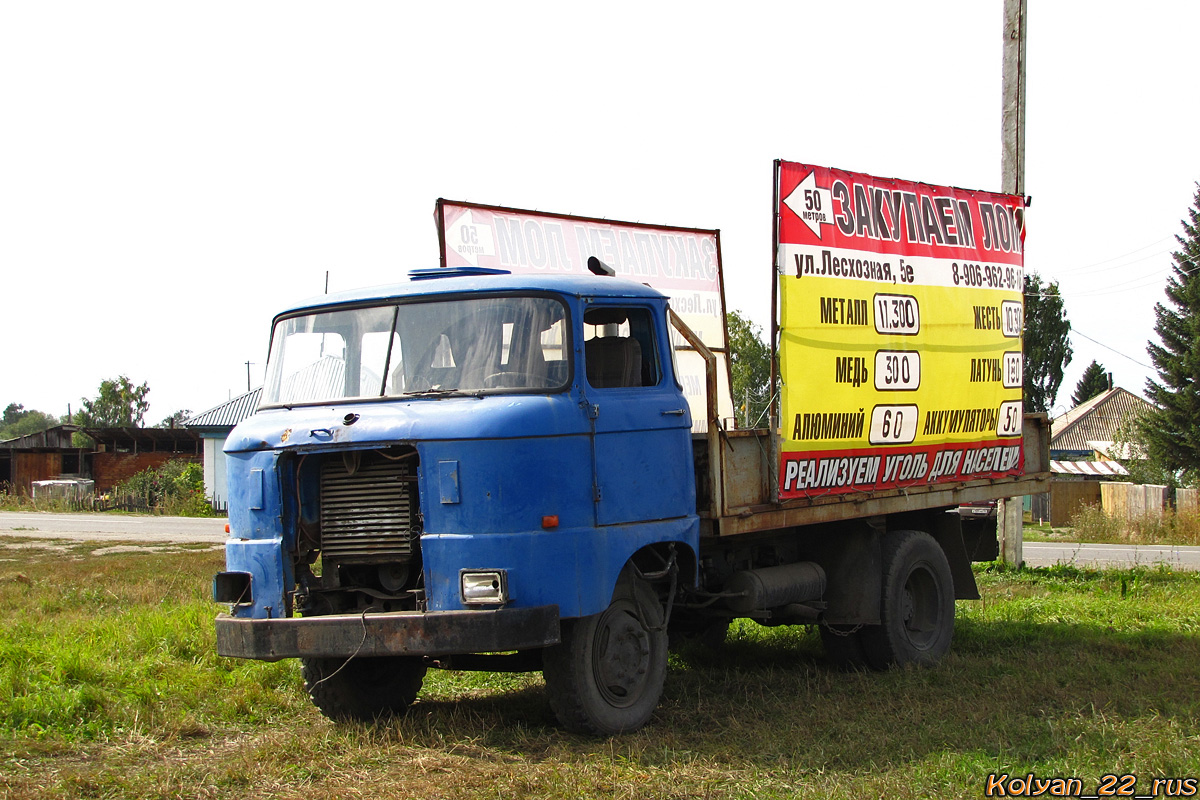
point(1093, 382)
point(1171, 430)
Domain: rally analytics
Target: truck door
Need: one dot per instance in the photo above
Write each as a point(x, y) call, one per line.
point(641, 421)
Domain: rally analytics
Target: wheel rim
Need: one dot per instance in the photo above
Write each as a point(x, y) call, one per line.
point(621, 655)
point(921, 607)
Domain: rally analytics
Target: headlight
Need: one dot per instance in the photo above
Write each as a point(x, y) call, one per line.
point(483, 587)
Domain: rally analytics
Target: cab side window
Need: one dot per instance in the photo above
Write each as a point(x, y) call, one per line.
point(619, 347)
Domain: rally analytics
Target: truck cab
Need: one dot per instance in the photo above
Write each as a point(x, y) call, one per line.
point(466, 464)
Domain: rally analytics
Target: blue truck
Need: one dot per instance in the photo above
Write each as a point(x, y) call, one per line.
point(475, 470)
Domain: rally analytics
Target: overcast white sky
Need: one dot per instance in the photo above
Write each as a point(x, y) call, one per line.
point(172, 174)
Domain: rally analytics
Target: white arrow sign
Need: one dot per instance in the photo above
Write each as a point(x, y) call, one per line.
point(470, 239)
point(813, 206)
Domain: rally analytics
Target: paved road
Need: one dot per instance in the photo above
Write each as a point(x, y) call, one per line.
point(131, 528)
point(111, 527)
point(1045, 554)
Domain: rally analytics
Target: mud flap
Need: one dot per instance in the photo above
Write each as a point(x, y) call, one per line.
point(949, 536)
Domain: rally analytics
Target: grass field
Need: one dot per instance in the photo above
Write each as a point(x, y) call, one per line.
point(109, 688)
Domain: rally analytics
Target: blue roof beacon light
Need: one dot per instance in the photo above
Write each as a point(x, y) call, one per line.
point(453, 272)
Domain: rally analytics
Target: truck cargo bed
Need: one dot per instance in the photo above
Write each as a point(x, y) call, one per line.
point(745, 480)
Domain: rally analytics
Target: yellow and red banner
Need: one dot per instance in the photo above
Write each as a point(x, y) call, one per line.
point(900, 332)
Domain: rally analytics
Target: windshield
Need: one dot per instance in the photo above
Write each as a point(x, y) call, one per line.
point(450, 346)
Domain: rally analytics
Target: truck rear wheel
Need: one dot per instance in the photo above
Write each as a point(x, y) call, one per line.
point(606, 674)
point(363, 689)
point(916, 604)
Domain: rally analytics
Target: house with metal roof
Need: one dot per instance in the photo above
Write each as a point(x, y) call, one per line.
point(1083, 454)
point(1073, 435)
point(214, 426)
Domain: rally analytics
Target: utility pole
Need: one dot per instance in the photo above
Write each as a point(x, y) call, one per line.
point(1012, 121)
point(248, 363)
point(1010, 523)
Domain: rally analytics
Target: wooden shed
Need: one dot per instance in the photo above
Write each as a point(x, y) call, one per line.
point(41, 456)
point(121, 453)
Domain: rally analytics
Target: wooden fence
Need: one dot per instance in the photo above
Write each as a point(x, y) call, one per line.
point(131, 502)
point(1117, 499)
point(112, 502)
point(1064, 501)
point(1132, 500)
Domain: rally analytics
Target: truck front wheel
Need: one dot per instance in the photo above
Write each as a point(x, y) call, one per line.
point(606, 674)
point(916, 604)
point(363, 689)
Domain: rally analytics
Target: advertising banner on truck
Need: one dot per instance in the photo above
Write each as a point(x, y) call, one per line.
point(900, 317)
point(682, 263)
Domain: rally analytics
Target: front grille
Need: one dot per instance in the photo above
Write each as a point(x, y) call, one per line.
point(370, 513)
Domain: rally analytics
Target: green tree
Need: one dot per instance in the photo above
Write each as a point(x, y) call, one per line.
point(119, 404)
point(1047, 343)
point(1094, 382)
point(177, 419)
point(13, 413)
point(1171, 430)
point(750, 369)
point(1129, 446)
point(18, 421)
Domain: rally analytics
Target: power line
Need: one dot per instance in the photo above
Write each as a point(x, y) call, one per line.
point(1139, 282)
point(1106, 347)
point(1117, 288)
point(1082, 267)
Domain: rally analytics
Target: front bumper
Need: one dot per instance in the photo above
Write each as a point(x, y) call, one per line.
point(401, 633)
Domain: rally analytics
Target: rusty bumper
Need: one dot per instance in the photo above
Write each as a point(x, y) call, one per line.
point(403, 633)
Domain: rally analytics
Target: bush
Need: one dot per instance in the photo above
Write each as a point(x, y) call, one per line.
point(177, 487)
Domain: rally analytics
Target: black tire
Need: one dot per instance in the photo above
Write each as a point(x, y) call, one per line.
point(916, 606)
point(844, 646)
point(364, 689)
point(606, 674)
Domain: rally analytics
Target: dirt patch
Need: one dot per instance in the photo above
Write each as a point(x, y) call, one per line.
point(81, 549)
point(151, 548)
point(35, 544)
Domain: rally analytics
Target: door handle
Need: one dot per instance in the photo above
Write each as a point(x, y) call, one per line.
point(674, 412)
